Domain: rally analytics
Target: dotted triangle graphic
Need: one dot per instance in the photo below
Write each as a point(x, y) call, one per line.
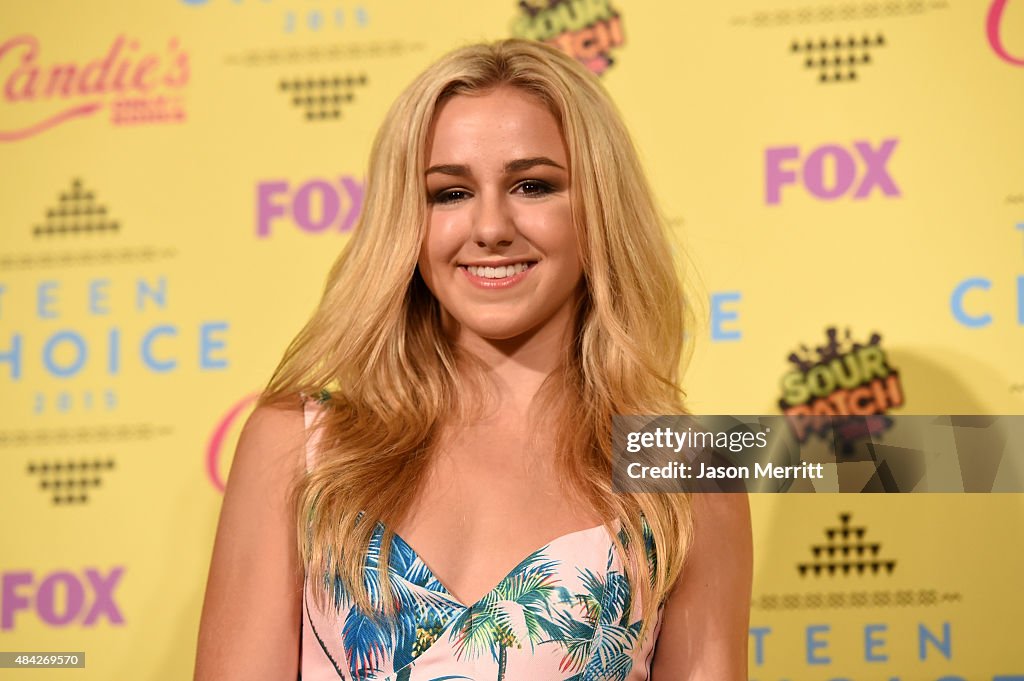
point(846, 553)
point(828, 56)
point(322, 99)
point(69, 481)
point(76, 212)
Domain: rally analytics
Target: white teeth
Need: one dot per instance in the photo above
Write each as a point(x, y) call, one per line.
point(497, 272)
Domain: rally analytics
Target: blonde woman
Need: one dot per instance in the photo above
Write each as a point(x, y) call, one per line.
point(424, 491)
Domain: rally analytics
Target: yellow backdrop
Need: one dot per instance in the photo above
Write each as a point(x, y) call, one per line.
point(177, 177)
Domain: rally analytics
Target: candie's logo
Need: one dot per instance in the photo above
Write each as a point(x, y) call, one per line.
point(138, 85)
point(840, 378)
point(586, 30)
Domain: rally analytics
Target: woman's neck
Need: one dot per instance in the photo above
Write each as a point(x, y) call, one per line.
point(515, 369)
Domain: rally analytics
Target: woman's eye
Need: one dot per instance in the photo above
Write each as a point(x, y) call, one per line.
point(535, 187)
point(449, 196)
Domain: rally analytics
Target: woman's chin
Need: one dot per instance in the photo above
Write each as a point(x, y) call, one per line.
point(498, 330)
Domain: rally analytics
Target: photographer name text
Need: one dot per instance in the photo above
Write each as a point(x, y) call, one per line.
point(682, 471)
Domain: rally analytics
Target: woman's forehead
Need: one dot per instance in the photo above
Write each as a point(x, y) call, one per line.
point(506, 122)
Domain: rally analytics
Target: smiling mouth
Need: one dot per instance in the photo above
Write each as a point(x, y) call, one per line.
point(502, 272)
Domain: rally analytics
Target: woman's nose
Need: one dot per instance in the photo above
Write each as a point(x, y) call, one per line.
point(493, 223)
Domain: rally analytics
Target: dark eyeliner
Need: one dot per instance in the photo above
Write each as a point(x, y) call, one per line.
point(545, 188)
point(444, 197)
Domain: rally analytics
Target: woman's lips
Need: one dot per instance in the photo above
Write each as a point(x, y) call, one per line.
point(504, 282)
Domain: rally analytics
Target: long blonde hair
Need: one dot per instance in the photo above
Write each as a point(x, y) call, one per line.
point(376, 344)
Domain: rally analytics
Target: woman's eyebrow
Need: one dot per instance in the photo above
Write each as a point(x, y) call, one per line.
point(449, 169)
point(527, 163)
point(510, 167)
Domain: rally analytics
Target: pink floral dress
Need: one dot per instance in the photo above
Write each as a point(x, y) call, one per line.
point(564, 613)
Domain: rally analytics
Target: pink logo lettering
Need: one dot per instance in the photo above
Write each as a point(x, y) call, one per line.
point(992, 25)
point(215, 448)
point(316, 206)
point(62, 597)
point(128, 79)
point(847, 175)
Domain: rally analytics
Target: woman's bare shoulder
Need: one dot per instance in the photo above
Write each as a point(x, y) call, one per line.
point(273, 432)
point(707, 615)
point(251, 614)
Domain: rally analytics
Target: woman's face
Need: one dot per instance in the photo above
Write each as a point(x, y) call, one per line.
point(500, 252)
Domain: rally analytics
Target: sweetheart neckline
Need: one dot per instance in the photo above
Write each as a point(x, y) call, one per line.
point(458, 602)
